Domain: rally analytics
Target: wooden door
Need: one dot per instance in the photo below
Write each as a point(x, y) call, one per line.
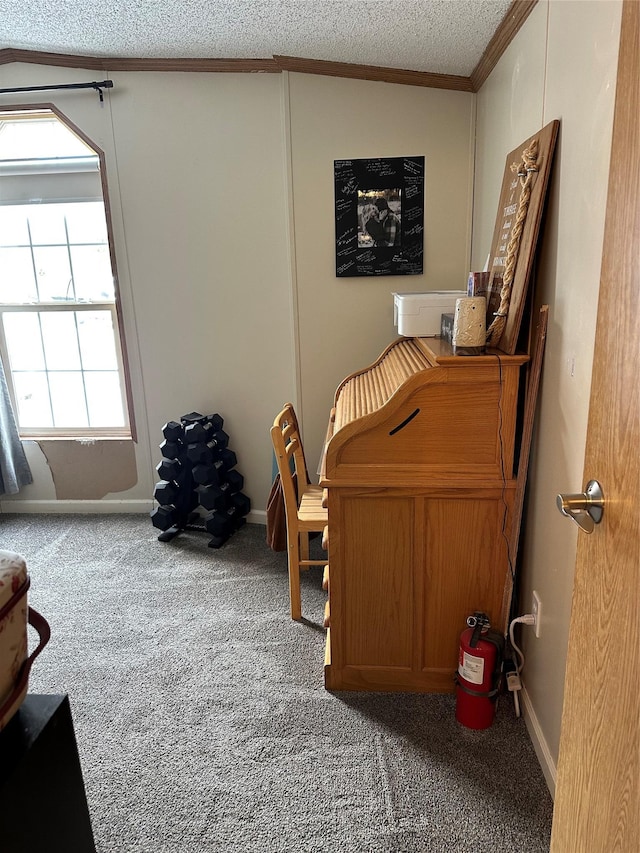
point(597, 796)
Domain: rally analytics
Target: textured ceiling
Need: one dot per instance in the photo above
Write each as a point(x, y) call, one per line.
point(438, 36)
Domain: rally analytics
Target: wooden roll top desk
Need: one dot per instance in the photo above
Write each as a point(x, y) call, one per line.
point(419, 472)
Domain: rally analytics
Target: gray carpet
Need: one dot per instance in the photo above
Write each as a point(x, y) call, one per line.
point(202, 721)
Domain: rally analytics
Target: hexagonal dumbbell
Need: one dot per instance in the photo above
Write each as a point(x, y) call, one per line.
point(234, 479)
point(166, 492)
point(171, 449)
point(241, 502)
point(218, 526)
point(224, 521)
point(228, 458)
point(205, 432)
point(202, 451)
point(169, 469)
point(164, 517)
point(192, 418)
point(208, 473)
point(172, 431)
point(198, 454)
point(214, 497)
point(216, 421)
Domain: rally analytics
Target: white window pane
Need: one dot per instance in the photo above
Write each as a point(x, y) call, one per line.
point(34, 409)
point(46, 222)
point(104, 399)
point(67, 399)
point(22, 334)
point(17, 282)
point(97, 341)
point(40, 138)
point(92, 274)
point(60, 340)
point(53, 273)
point(13, 226)
point(86, 222)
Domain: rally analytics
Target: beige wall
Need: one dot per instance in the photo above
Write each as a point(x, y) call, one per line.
point(221, 188)
point(196, 175)
point(562, 65)
point(345, 323)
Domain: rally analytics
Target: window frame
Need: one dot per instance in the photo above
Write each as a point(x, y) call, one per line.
point(90, 433)
point(64, 432)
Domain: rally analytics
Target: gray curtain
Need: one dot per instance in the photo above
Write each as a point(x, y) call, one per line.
point(14, 468)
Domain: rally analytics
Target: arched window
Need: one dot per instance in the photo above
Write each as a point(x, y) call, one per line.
point(60, 336)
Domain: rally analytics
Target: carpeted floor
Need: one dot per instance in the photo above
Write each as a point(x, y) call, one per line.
point(202, 721)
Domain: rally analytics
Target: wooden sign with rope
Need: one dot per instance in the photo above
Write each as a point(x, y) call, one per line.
point(520, 209)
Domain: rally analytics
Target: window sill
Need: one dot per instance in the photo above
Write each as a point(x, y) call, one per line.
point(82, 439)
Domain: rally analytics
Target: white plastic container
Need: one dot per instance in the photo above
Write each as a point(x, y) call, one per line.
point(418, 314)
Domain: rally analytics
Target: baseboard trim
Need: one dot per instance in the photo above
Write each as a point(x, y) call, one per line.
point(76, 507)
point(540, 745)
point(258, 516)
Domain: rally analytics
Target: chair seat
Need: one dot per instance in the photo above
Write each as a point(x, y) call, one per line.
point(311, 513)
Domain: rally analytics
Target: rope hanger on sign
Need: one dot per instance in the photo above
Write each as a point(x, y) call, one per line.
point(526, 170)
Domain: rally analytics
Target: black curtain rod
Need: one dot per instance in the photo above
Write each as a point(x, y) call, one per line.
point(105, 84)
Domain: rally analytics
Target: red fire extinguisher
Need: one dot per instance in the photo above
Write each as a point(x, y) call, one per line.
point(478, 676)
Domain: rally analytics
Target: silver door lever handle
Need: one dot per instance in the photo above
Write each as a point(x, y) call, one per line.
point(585, 509)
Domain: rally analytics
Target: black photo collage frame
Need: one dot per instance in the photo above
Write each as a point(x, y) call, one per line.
point(379, 209)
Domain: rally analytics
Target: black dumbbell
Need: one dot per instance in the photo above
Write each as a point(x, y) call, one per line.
point(169, 469)
point(193, 418)
point(220, 437)
point(241, 502)
point(208, 473)
point(235, 480)
point(164, 517)
point(216, 421)
point(166, 492)
point(171, 449)
point(218, 524)
point(219, 497)
point(205, 451)
point(228, 458)
point(223, 523)
point(214, 497)
point(196, 431)
point(205, 432)
point(172, 430)
point(199, 454)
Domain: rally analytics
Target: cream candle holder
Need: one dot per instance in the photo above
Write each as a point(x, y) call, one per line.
point(470, 324)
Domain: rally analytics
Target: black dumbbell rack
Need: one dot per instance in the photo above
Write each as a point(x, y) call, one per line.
point(200, 488)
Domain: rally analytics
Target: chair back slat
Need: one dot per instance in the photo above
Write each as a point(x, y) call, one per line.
point(296, 489)
point(287, 445)
point(289, 430)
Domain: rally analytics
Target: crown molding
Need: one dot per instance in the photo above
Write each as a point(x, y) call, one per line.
point(105, 63)
point(515, 17)
point(273, 66)
point(373, 72)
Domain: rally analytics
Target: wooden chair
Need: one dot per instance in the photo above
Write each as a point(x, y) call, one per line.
point(302, 500)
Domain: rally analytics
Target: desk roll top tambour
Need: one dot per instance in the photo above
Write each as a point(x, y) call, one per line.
point(419, 472)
